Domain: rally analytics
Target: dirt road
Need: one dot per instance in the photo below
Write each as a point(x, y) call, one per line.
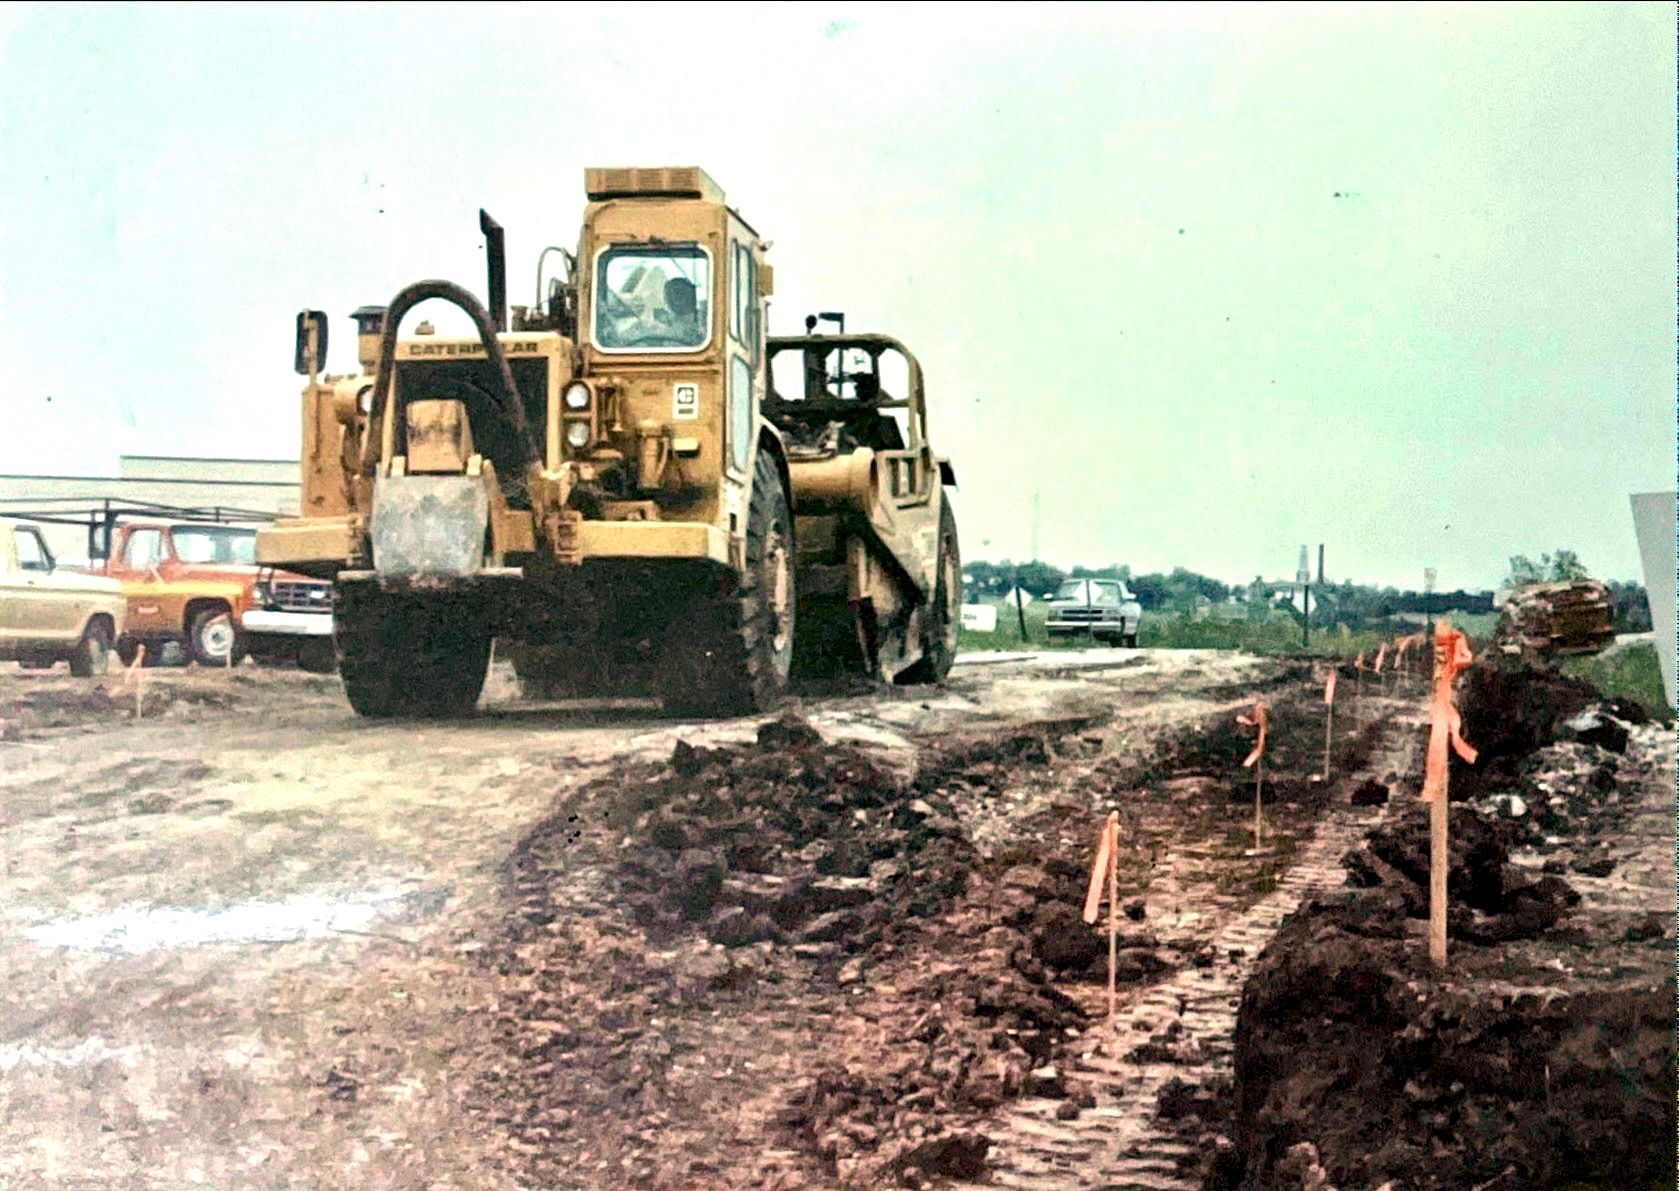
point(236, 934)
point(252, 942)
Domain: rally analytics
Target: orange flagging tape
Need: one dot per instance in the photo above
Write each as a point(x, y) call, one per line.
point(1329, 689)
point(1107, 848)
point(1451, 655)
point(1262, 718)
point(1381, 656)
point(1359, 664)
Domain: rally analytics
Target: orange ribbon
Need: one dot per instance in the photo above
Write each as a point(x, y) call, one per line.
point(1359, 664)
point(1262, 719)
point(1381, 656)
point(1329, 689)
point(1451, 655)
point(1107, 855)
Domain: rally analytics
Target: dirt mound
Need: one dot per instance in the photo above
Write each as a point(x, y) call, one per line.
point(1510, 709)
point(1502, 1076)
point(1541, 1057)
point(1490, 898)
point(792, 841)
point(785, 881)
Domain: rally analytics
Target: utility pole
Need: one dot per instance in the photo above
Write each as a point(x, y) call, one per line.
point(1428, 604)
point(1303, 576)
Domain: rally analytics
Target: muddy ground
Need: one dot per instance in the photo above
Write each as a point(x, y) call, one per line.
point(1542, 1054)
point(251, 942)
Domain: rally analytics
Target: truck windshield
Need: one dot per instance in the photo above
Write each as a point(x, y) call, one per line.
point(1090, 593)
point(237, 546)
point(653, 298)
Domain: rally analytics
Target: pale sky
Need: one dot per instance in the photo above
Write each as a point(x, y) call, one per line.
point(1111, 234)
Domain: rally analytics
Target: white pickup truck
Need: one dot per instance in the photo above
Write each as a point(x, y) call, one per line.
point(50, 613)
point(1103, 609)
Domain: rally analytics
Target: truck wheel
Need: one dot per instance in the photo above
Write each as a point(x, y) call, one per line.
point(426, 659)
point(213, 638)
point(1129, 641)
point(944, 619)
point(92, 655)
point(734, 658)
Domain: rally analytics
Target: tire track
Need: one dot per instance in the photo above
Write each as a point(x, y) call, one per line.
point(1121, 1144)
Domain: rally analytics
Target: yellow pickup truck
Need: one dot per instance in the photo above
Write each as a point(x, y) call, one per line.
point(50, 613)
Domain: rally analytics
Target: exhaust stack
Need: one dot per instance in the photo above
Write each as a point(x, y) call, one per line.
point(496, 253)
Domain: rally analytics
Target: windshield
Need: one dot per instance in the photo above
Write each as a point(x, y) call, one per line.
point(217, 545)
point(1099, 593)
point(653, 298)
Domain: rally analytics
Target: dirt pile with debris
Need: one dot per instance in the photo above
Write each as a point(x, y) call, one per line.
point(1543, 1055)
point(679, 930)
point(793, 842)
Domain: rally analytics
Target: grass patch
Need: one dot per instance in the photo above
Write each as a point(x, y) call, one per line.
point(1632, 673)
point(1274, 635)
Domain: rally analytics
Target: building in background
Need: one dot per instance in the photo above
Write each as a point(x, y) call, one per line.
point(266, 486)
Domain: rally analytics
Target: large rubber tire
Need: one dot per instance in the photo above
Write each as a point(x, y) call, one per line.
point(212, 637)
point(403, 657)
point(735, 656)
point(92, 655)
point(944, 615)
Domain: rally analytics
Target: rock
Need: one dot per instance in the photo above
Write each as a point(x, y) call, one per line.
point(1135, 910)
point(669, 835)
point(1029, 879)
point(759, 893)
point(1179, 1099)
point(1594, 868)
point(788, 732)
point(851, 972)
point(1511, 806)
point(699, 879)
point(687, 760)
point(731, 926)
point(1593, 727)
point(1654, 926)
point(959, 1155)
point(1061, 938)
point(817, 951)
point(838, 893)
point(835, 925)
point(883, 872)
point(1045, 1081)
point(1370, 792)
point(1067, 1110)
point(914, 812)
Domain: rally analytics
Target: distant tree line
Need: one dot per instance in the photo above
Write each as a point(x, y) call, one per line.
point(1355, 605)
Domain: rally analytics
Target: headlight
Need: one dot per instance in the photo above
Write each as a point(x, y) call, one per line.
point(577, 434)
point(577, 397)
point(259, 595)
point(364, 400)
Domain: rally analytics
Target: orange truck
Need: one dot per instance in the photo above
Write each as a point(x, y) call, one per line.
point(199, 586)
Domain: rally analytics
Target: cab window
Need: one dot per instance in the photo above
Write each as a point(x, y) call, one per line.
point(144, 548)
point(743, 306)
point(32, 552)
point(653, 298)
